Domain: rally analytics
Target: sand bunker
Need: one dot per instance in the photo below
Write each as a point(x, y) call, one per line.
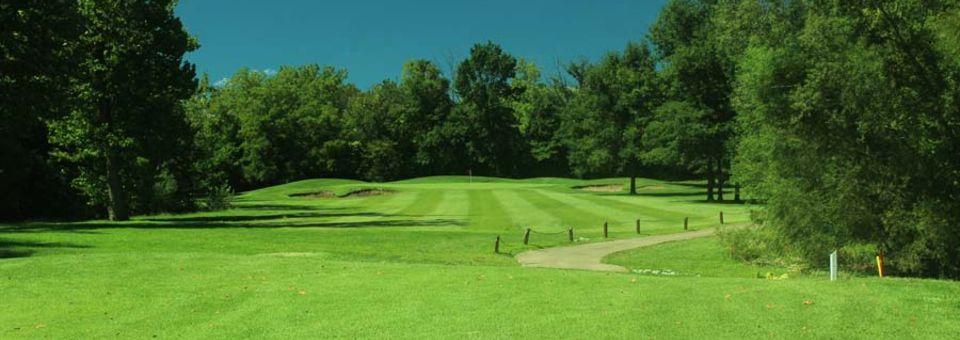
point(318, 194)
point(368, 192)
point(355, 193)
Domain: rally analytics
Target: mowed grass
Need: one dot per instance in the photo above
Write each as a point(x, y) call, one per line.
point(419, 263)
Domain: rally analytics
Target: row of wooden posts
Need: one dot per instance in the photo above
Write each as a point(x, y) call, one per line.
point(526, 233)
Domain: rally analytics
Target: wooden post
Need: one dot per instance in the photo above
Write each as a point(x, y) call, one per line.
point(496, 245)
point(685, 220)
point(570, 232)
point(604, 229)
point(638, 226)
point(736, 192)
point(721, 217)
point(526, 236)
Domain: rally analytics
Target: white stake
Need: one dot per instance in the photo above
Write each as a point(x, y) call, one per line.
point(833, 266)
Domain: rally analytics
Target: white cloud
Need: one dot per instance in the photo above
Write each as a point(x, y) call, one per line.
point(269, 71)
point(222, 82)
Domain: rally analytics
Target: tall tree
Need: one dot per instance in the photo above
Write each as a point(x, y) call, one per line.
point(603, 125)
point(697, 71)
point(216, 136)
point(130, 81)
point(375, 124)
point(538, 108)
point(483, 122)
point(428, 104)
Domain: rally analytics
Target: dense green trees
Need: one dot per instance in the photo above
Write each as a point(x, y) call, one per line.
point(95, 87)
point(603, 125)
point(538, 108)
point(483, 125)
point(427, 95)
point(260, 129)
point(697, 72)
point(126, 128)
point(35, 61)
point(850, 132)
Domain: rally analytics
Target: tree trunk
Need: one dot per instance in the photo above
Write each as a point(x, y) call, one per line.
point(117, 208)
point(710, 177)
point(720, 179)
point(633, 185)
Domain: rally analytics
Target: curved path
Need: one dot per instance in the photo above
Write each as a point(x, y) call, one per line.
point(589, 256)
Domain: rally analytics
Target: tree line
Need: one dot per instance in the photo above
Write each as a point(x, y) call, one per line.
point(841, 117)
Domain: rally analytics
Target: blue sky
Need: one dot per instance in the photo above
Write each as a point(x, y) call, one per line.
point(373, 38)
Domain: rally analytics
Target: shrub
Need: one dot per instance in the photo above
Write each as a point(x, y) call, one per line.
point(748, 244)
point(858, 257)
point(759, 245)
point(218, 198)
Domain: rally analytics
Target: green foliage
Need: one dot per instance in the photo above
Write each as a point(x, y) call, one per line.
point(375, 122)
point(846, 133)
point(698, 43)
point(126, 124)
point(538, 108)
point(859, 258)
point(428, 93)
point(219, 197)
point(678, 135)
point(603, 124)
point(483, 125)
point(290, 124)
point(758, 245)
point(36, 61)
point(259, 129)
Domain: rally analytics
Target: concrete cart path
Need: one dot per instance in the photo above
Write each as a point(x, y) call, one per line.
point(589, 256)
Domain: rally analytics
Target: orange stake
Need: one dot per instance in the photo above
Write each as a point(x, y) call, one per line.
point(880, 264)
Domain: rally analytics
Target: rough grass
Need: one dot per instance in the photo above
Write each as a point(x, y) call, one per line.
point(418, 263)
point(703, 257)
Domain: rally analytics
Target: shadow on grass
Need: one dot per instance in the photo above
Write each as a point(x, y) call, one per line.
point(670, 194)
point(240, 222)
point(13, 249)
point(243, 206)
point(248, 218)
point(728, 202)
point(660, 194)
point(440, 222)
point(676, 194)
point(690, 185)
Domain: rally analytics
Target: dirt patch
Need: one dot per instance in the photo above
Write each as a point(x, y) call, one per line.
point(601, 188)
point(317, 194)
point(368, 192)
